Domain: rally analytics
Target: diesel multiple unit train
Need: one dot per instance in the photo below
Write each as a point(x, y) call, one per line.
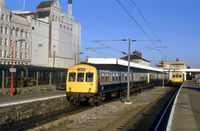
point(94, 83)
point(177, 78)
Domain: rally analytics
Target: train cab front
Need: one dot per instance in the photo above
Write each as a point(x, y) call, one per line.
point(81, 82)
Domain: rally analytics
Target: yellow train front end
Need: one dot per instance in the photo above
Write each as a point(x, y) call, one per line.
point(177, 78)
point(81, 82)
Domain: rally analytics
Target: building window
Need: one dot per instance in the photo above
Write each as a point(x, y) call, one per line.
point(6, 31)
point(22, 33)
point(26, 55)
point(8, 17)
point(5, 55)
point(11, 33)
point(17, 32)
point(16, 55)
point(33, 28)
point(60, 26)
point(1, 41)
point(2, 17)
point(26, 45)
point(1, 29)
point(6, 42)
point(21, 55)
point(26, 34)
point(22, 45)
point(70, 29)
point(10, 54)
point(1, 53)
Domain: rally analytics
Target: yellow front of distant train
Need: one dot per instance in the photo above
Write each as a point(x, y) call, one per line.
point(177, 78)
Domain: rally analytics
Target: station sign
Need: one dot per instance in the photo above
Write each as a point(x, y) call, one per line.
point(12, 69)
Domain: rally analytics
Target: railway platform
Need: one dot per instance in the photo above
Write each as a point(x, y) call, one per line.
point(23, 106)
point(20, 98)
point(185, 113)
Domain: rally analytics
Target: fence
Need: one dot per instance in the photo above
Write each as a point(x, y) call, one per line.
point(28, 76)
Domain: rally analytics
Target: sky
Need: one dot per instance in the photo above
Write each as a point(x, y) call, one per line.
point(176, 23)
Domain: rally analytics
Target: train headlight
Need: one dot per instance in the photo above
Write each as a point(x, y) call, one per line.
point(102, 87)
point(89, 89)
point(70, 89)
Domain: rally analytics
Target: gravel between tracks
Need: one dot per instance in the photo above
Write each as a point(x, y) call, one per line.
point(108, 117)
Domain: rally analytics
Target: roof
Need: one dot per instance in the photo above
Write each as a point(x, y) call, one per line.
point(115, 61)
point(44, 4)
point(133, 57)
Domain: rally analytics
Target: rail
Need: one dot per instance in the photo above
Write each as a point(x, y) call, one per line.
point(158, 121)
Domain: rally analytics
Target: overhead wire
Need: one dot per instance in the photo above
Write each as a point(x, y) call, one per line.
point(150, 27)
point(138, 25)
point(68, 43)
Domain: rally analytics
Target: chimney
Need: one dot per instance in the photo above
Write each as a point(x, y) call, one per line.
point(70, 7)
point(139, 54)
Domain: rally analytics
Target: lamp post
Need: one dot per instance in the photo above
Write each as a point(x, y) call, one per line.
point(12, 70)
point(75, 57)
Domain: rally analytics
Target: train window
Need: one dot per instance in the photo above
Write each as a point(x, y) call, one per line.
point(117, 77)
point(176, 76)
point(110, 76)
point(72, 77)
point(113, 77)
point(180, 76)
point(80, 77)
point(126, 78)
point(102, 77)
point(123, 77)
point(89, 77)
point(107, 78)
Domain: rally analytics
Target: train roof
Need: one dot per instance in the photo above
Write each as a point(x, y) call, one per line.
point(118, 64)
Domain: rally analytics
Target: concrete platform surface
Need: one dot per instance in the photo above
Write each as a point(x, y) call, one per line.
point(6, 99)
point(186, 115)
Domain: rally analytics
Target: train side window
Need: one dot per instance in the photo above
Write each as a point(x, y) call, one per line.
point(126, 78)
point(107, 77)
point(89, 77)
point(123, 77)
point(102, 77)
point(80, 77)
point(113, 77)
point(72, 77)
point(117, 77)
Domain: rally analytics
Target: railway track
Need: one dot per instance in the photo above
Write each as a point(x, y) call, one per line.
point(42, 119)
point(46, 118)
point(155, 116)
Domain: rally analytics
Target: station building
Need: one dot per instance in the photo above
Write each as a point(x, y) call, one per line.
point(51, 38)
point(173, 65)
point(137, 58)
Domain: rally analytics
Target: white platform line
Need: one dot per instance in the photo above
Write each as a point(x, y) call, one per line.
point(169, 124)
point(28, 101)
